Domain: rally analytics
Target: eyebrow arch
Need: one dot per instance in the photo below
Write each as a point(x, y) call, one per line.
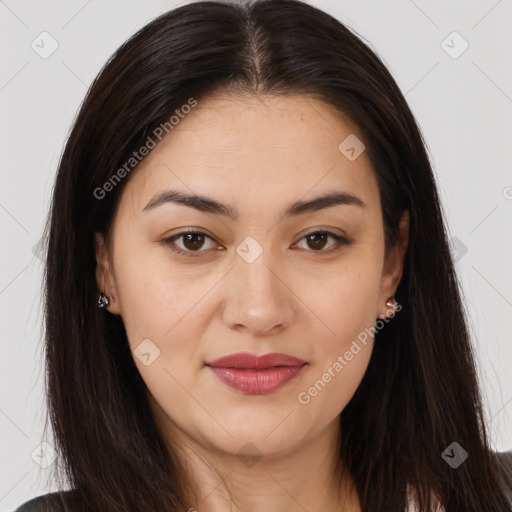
point(209, 205)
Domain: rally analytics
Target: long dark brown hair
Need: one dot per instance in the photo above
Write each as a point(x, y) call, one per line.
point(420, 391)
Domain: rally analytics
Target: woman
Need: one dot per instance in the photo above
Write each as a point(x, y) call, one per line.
point(250, 298)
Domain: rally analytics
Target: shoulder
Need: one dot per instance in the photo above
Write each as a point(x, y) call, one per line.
point(51, 502)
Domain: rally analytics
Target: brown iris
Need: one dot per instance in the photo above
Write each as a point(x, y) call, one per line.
point(318, 239)
point(193, 241)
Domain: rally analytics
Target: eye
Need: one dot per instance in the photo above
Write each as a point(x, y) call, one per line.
point(317, 241)
point(193, 241)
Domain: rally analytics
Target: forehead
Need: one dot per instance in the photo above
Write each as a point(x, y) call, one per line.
point(264, 149)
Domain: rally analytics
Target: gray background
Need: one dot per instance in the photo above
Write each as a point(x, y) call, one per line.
point(463, 106)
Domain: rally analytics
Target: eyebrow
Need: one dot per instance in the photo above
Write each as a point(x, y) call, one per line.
point(209, 205)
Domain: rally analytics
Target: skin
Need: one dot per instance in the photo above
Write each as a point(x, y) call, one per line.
point(298, 297)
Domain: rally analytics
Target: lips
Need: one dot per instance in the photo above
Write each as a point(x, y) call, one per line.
point(253, 362)
point(254, 374)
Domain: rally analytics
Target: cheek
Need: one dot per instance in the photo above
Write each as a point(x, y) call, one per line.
point(345, 305)
point(164, 314)
point(329, 389)
point(342, 353)
point(344, 339)
point(155, 297)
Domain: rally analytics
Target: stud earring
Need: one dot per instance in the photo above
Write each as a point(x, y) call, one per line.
point(103, 301)
point(390, 303)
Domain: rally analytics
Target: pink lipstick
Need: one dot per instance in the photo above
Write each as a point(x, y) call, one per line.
point(256, 375)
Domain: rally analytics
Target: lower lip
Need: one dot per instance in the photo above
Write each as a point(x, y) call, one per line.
point(257, 382)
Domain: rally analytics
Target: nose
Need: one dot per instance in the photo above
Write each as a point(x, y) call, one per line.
point(259, 298)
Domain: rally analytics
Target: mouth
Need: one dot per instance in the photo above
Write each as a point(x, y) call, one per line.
point(256, 375)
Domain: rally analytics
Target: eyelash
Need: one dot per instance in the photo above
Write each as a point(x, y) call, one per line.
point(169, 242)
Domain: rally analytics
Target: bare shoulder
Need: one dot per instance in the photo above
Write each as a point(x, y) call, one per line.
point(51, 502)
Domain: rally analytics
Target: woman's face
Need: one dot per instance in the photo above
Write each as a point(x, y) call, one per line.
point(265, 275)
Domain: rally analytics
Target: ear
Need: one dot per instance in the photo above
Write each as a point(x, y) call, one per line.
point(394, 266)
point(104, 276)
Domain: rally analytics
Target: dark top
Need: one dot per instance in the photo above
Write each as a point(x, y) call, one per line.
point(51, 502)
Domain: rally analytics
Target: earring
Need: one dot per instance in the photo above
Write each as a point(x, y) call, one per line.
point(103, 301)
point(390, 303)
